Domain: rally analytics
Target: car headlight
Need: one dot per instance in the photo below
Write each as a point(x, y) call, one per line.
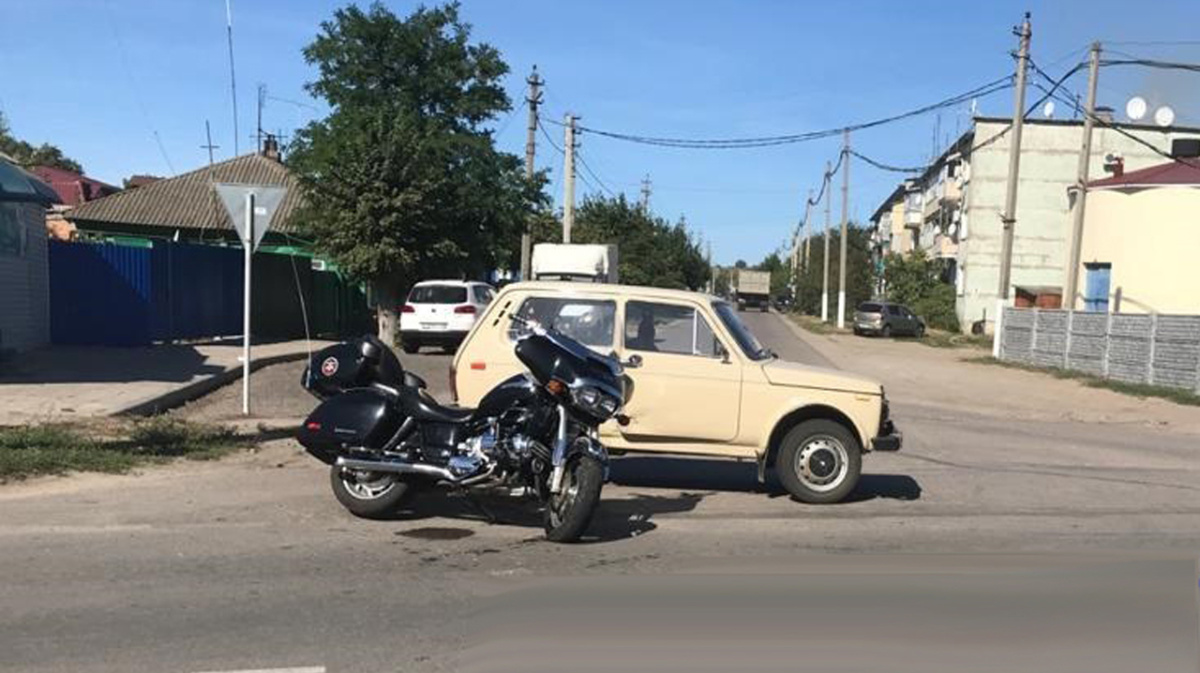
point(596, 402)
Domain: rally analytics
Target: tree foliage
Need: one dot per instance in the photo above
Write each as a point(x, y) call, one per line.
point(915, 280)
point(651, 251)
point(26, 154)
point(860, 275)
point(402, 180)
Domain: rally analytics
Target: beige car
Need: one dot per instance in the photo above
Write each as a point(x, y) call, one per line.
point(699, 383)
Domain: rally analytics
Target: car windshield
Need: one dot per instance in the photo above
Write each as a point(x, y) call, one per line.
point(438, 294)
point(742, 334)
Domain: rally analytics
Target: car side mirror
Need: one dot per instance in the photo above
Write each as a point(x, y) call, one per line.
point(723, 353)
point(633, 362)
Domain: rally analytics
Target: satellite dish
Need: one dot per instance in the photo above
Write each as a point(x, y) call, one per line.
point(1164, 116)
point(1048, 109)
point(1136, 108)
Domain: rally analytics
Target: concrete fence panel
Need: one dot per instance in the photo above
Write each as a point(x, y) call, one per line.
point(1157, 349)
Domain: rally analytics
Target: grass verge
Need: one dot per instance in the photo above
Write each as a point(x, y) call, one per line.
point(28, 451)
point(813, 324)
point(940, 339)
point(1176, 395)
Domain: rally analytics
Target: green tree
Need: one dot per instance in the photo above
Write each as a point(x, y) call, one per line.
point(651, 251)
point(26, 154)
point(860, 274)
point(915, 280)
point(402, 180)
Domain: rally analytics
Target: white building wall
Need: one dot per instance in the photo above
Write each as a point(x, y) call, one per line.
point(25, 281)
point(1049, 157)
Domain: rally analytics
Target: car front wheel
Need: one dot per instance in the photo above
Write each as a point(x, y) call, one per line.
point(819, 462)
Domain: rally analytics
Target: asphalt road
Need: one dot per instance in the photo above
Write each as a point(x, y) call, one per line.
point(976, 547)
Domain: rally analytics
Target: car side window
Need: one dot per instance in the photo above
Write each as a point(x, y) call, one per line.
point(668, 328)
point(588, 321)
point(893, 310)
point(482, 294)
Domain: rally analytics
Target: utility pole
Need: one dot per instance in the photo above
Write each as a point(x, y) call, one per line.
point(535, 98)
point(569, 178)
point(807, 228)
point(1085, 156)
point(825, 268)
point(644, 204)
point(1009, 218)
point(841, 317)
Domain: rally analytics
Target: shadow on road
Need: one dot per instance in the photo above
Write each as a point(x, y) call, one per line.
point(728, 475)
point(616, 519)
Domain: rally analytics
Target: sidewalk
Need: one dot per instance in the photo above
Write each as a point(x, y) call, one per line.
point(70, 383)
point(940, 380)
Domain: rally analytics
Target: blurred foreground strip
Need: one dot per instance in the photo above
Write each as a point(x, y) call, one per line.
point(926, 614)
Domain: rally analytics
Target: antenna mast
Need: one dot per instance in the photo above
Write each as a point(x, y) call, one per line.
point(232, 77)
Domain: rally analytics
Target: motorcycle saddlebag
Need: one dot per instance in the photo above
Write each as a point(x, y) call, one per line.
point(358, 420)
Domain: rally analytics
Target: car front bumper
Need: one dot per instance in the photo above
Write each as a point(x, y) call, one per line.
point(889, 439)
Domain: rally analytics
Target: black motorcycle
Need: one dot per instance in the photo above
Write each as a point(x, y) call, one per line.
point(533, 436)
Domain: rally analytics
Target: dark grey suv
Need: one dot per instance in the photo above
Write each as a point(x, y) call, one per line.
point(885, 319)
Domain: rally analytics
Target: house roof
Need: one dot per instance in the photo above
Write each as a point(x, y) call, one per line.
point(72, 188)
point(18, 184)
point(188, 201)
point(1178, 172)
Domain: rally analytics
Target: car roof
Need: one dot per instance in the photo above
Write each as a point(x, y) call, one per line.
point(447, 282)
point(608, 289)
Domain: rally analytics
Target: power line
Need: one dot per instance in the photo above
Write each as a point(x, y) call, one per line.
point(885, 167)
point(769, 141)
point(1101, 120)
point(546, 135)
point(588, 169)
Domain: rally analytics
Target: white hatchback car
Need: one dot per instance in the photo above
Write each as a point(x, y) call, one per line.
point(441, 312)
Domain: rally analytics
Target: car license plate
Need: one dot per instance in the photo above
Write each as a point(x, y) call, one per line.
point(433, 326)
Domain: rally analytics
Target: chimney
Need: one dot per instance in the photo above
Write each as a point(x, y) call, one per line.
point(1104, 115)
point(270, 148)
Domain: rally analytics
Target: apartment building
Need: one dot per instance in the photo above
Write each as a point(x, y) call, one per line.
point(956, 216)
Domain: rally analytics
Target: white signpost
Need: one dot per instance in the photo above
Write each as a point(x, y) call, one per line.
point(250, 208)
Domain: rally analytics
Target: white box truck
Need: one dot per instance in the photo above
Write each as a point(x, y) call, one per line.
point(590, 263)
point(753, 289)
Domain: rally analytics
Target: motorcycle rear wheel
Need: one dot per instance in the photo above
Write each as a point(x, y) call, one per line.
point(569, 511)
point(370, 495)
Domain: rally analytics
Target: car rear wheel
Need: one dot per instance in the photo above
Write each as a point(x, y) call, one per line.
point(819, 462)
point(919, 332)
point(410, 347)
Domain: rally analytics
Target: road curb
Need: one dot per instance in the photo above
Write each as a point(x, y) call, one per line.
point(156, 404)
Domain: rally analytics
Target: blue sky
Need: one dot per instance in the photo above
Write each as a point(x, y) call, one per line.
point(104, 78)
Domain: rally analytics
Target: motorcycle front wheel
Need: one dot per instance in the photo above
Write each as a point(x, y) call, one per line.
point(569, 511)
point(370, 495)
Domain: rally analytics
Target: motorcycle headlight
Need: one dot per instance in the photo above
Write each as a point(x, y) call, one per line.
point(596, 402)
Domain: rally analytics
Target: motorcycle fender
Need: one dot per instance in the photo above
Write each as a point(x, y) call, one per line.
point(589, 446)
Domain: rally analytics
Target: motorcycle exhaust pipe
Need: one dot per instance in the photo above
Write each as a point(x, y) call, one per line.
point(397, 467)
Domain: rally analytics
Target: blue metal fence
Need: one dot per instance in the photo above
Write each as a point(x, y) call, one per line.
point(119, 295)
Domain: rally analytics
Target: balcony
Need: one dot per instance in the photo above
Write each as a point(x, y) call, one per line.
point(944, 193)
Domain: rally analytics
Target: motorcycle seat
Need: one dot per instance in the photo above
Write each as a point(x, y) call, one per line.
point(413, 381)
point(421, 406)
